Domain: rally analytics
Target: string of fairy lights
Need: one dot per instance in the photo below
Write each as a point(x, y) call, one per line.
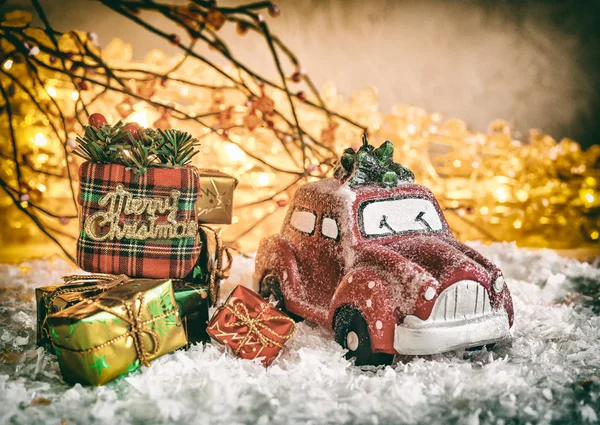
point(271, 134)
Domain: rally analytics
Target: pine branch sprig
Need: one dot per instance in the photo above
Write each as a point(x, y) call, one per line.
point(177, 147)
point(147, 148)
point(102, 144)
point(139, 158)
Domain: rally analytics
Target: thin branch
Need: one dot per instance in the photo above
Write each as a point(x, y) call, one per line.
point(270, 198)
point(11, 130)
point(85, 66)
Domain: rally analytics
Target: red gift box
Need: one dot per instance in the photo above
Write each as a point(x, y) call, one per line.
point(251, 326)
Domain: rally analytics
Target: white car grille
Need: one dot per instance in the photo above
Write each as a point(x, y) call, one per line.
point(464, 299)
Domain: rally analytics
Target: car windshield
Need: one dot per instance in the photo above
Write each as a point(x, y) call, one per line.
point(395, 216)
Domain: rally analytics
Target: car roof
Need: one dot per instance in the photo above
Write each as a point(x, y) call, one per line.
point(329, 195)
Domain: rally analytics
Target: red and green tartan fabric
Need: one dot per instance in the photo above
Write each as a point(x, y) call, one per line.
point(140, 226)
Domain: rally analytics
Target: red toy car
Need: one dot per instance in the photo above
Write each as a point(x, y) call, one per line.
point(381, 267)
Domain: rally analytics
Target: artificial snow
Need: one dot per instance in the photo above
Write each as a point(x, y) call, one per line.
point(550, 373)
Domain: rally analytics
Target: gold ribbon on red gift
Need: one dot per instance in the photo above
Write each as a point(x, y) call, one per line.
point(256, 324)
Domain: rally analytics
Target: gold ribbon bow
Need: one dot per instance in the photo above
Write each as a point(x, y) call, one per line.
point(105, 282)
point(138, 327)
point(103, 279)
point(222, 267)
point(256, 324)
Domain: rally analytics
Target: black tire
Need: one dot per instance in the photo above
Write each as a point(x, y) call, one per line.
point(347, 321)
point(270, 286)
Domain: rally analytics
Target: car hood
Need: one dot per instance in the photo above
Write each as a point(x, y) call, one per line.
point(441, 258)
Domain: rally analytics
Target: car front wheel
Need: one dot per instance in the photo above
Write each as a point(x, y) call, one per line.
point(352, 333)
point(270, 289)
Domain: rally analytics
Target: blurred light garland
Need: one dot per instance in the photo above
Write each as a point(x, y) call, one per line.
point(272, 135)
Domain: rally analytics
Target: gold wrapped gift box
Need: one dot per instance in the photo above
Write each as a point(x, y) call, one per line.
point(215, 200)
point(54, 298)
point(103, 337)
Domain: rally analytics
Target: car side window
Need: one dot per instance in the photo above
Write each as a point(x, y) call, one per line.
point(329, 228)
point(303, 221)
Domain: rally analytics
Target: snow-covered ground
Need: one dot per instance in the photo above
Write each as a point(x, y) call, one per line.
point(550, 374)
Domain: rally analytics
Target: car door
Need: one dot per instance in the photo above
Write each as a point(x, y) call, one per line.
point(300, 233)
point(328, 267)
point(315, 238)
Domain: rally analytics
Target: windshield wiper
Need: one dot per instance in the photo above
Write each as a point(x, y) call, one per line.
point(419, 219)
point(384, 223)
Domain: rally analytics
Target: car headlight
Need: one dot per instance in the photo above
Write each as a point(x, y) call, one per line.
point(429, 293)
point(498, 284)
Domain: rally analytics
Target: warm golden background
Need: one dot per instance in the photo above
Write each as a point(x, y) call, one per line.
point(534, 63)
point(460, 64)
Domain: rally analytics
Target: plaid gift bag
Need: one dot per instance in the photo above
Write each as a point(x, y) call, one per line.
point(140, 226)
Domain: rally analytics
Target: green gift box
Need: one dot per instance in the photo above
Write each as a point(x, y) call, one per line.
point(114, 333)
point(192, 301)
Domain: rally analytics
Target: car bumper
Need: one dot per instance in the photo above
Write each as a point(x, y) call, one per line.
point(419, 337)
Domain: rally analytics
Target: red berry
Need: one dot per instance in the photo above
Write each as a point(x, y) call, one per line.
point(274, 11)
point(301, 96)
point(242, 28)
point(64, 220)
point(97, 120)
point(82, 85)
point(174, 39)
point(297, 77)
point(281, 203)
point(163, 81)
point(134, 129)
